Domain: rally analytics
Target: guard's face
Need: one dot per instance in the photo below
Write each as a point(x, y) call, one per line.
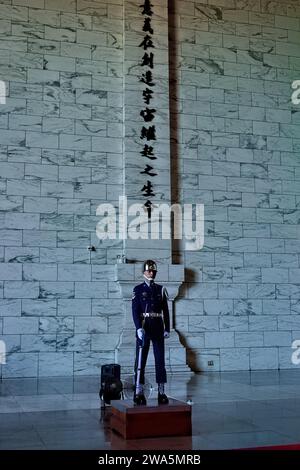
point(150, 274)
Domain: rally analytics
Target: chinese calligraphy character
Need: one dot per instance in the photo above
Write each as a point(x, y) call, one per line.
point(147, 43)
point(148, 60)
point(147, 171)
point(147, 78)
point(147, 8)
point(147, 95)
point(149, 133)
point(147, 26)
point(148, 114)
point(148, 189)
point(148, 152)
point(148, 205)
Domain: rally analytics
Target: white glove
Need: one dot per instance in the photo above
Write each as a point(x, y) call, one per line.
point(166, 334)
point(140, 332)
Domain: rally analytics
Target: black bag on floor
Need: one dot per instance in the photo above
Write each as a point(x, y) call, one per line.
point(111, 385)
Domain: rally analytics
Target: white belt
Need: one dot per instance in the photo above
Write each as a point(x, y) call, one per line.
point(152, 315)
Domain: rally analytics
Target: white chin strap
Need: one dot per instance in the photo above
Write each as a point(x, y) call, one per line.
point(148, 278)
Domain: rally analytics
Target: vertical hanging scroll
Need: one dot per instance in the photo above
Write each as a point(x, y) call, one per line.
point(148, 131)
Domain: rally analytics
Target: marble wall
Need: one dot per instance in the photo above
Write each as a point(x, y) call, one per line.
point(60, 156)
point(235, 147)
point(238, 151)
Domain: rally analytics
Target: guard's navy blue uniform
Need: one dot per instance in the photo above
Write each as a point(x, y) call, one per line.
point(146, 299)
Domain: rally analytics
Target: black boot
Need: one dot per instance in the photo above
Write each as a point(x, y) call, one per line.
point(162, 399)
point(139, 399)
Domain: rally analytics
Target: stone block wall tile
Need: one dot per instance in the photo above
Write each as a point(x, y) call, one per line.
point(285, 358)
point(21, 365)
point(39, 272)
point(21, 289)
point(53, 325)
point(38, 308)
point(201, 358)
point(89, 363)
point(55, 364)
point(91, 325)
point(263, 358)
point(222, 339)
point(68, 342)
point(233, 323)
point(37, 343)
point(234, 359)
point(12, 325)
point(248, 339)
point(10, 307)
point(277, 338)
point(12, 343)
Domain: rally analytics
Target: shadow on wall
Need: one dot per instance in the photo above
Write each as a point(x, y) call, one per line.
point(174, 110)
point(191, 356)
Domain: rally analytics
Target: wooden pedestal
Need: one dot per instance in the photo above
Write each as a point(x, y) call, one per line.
point(152, 420)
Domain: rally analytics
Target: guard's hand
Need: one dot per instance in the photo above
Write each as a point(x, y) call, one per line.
point(140, 332)
point(166, 334)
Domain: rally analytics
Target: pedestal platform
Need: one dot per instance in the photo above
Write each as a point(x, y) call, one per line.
point(152, 420)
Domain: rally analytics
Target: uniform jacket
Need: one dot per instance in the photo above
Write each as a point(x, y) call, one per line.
point(150, 298)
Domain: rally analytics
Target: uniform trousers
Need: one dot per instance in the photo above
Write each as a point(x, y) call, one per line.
point(154, 331)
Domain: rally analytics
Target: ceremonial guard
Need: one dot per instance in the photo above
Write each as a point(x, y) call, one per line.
point(152, 322)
